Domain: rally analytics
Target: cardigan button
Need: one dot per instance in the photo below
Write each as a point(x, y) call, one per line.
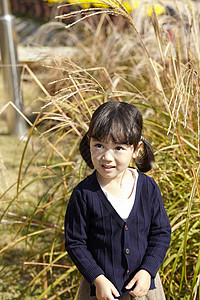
point(127, 251)
point(126, 227)
point(127, 272)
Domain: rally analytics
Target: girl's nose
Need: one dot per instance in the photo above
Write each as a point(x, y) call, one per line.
point(107, 155)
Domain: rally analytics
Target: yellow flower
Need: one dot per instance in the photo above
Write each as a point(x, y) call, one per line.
point(99, 3)
point(159, 9)
point(51, 2)
point(130, 5)
point(83, 3)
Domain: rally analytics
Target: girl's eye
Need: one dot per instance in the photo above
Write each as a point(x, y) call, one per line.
point(99, 146)
point(119, 148)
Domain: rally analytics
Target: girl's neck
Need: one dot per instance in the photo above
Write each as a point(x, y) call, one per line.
point(120, 187)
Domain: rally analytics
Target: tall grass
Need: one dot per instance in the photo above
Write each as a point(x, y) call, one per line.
point(146, 61)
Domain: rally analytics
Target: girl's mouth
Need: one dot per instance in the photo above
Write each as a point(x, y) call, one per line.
point(108, 167)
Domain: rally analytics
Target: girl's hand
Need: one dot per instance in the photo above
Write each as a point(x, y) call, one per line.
point(105, 290)
point(142, 281)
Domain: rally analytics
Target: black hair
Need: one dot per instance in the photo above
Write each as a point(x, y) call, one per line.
point(122, 123)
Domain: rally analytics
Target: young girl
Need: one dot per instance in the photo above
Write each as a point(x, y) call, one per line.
point(116, 228)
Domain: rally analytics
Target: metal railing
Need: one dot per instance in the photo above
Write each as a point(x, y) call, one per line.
point(11, 70)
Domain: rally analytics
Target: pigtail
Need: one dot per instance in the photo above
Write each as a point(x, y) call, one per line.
point(145, 160)
point(84, 149)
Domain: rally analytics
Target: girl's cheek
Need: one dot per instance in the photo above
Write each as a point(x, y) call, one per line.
point(95, 155)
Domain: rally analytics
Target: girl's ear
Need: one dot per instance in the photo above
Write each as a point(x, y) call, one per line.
point(137, 150)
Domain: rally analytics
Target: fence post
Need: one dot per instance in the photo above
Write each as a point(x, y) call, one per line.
point(11, 70)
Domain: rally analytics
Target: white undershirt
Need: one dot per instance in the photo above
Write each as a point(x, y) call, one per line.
point(123, 206)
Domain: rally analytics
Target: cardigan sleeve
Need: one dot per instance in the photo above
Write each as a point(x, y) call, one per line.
point(159, 235)
point(76, 228)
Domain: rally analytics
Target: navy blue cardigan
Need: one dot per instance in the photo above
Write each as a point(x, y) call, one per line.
point(100, 242)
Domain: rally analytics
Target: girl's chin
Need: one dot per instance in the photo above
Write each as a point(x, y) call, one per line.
point(105, 173)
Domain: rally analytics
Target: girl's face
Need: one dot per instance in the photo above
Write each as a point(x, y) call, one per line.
point(110, 159)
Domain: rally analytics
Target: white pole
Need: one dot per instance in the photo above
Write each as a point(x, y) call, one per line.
point(11, 70)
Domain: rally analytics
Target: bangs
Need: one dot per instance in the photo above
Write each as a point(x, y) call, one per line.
point(114, 129)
